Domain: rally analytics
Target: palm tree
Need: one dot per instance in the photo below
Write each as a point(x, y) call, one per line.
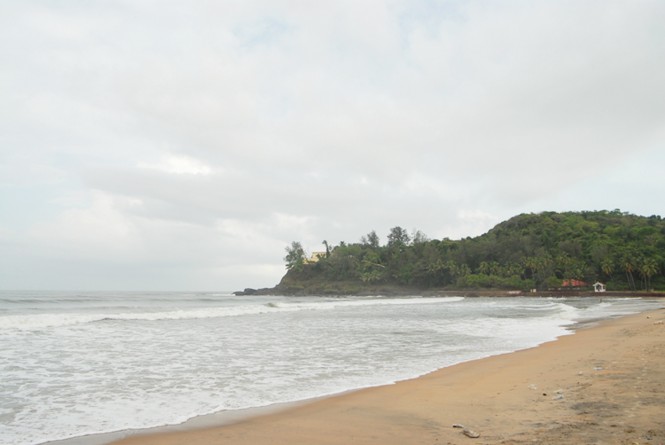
point(607, 267)
point(648, 268)
point(628, 266)
point(484, 268)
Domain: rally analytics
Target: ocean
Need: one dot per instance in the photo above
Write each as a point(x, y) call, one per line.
point(74, 364)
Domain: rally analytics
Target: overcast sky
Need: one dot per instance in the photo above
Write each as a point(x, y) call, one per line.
point(170, 145)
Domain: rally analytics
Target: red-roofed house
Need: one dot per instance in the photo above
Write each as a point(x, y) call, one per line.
point(574, 283)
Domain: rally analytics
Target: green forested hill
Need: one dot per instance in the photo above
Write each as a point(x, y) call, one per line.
point(543, 251)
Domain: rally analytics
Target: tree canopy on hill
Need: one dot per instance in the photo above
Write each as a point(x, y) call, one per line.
point(529, 251)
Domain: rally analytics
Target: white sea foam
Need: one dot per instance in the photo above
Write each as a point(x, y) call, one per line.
point(101, 363)
point(40, 321)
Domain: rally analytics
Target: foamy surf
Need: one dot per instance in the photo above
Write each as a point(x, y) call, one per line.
point(41, 321)
point(76, 364)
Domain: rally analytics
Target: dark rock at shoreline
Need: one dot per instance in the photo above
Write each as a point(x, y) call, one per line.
point(250, 291)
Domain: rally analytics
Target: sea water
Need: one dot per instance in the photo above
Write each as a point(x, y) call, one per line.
point(79, 363)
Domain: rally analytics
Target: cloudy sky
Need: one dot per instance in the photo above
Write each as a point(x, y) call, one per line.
point(169, 145)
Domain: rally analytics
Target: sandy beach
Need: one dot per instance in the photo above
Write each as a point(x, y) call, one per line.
point(603, 385)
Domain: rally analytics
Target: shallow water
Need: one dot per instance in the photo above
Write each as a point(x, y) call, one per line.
point(83, 363)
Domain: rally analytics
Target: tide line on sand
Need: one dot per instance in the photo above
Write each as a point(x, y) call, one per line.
point(601, 385)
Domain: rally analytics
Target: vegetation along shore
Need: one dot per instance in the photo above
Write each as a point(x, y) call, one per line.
point(560, 253)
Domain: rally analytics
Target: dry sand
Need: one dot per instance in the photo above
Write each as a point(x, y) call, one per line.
point(603, 385)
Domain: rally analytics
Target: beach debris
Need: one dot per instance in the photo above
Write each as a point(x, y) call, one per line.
point(597, 368)
point(533, 387)
point(659, 322)
point(470, 433)
point(458, 425)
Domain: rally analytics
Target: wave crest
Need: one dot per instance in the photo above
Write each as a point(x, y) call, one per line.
point(42, 321)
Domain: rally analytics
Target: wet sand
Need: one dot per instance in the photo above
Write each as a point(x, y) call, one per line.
point(603, 385)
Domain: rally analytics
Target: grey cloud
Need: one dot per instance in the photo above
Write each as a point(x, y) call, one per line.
point(316, 121)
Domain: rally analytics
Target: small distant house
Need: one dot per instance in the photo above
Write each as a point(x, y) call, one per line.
point(315, 257)
point(598, 287)
point(573, 284)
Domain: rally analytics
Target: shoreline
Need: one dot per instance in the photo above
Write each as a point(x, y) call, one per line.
point(203, 421)
point(543, 392)
point(229, 417)
point(397, 291)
